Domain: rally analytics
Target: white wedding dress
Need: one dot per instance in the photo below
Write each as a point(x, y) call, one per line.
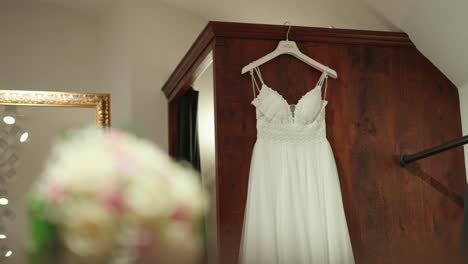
point(294, 212)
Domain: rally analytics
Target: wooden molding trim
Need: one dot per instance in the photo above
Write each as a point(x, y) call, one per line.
point(184, 74)
point(310, 34)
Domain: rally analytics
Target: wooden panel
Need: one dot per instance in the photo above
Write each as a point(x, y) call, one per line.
point(388, 99)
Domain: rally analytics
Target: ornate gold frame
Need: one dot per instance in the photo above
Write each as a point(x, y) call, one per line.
point(101, 102)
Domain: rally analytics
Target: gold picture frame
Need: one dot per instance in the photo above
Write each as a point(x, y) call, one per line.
point(99, 101)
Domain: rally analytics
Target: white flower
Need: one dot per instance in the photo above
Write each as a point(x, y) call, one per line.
point(81, 164)
point(181, 244)
point(88, 230)
point(187, 191)
point(149, 197)
point(98, 181)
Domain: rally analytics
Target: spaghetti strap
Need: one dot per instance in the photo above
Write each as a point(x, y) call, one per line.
point(254, 84)
point(325, 89)
point(323, 79)
point(257, 70)
point(254, 81)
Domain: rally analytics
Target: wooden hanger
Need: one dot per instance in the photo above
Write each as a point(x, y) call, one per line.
point(290, 48)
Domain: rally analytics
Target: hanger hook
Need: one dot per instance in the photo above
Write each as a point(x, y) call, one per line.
point(287, 23)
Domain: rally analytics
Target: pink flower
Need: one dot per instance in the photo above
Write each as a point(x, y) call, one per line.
point(116, 135)
point(124, 164)
point(146, 245)
point(181, 214)
point(113, 199)
point(54, 193)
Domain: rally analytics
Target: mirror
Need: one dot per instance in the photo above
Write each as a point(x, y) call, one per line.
point(30, 122)
point(206, 137)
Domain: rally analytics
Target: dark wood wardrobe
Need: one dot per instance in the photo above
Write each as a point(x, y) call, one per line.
point(388, 99)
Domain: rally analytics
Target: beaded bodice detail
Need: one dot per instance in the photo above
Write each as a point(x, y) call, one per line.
point(277, 120)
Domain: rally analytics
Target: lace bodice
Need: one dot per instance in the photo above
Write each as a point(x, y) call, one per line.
point(273, 107)
point(279, 120)
point(276, 120)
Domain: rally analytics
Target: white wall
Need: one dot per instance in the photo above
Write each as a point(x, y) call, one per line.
point(115, 48)
point(143, 42)
point(164, 34)
point(47, 47)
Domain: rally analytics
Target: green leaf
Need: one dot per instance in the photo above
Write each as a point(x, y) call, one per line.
point(43, 233)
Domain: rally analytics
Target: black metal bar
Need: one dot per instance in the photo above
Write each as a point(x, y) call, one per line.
point(406, 159)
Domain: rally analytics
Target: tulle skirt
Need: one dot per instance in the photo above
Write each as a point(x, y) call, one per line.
point(294, 212)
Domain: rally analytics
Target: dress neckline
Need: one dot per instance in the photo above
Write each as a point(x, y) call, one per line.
point(318, 86)
point(290, 108)
point(298, 101)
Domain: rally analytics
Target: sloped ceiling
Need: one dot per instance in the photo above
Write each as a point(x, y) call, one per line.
point(320, 13)
point(438, 28)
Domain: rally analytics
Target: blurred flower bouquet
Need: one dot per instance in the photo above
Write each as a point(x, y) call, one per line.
point(109, 197)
